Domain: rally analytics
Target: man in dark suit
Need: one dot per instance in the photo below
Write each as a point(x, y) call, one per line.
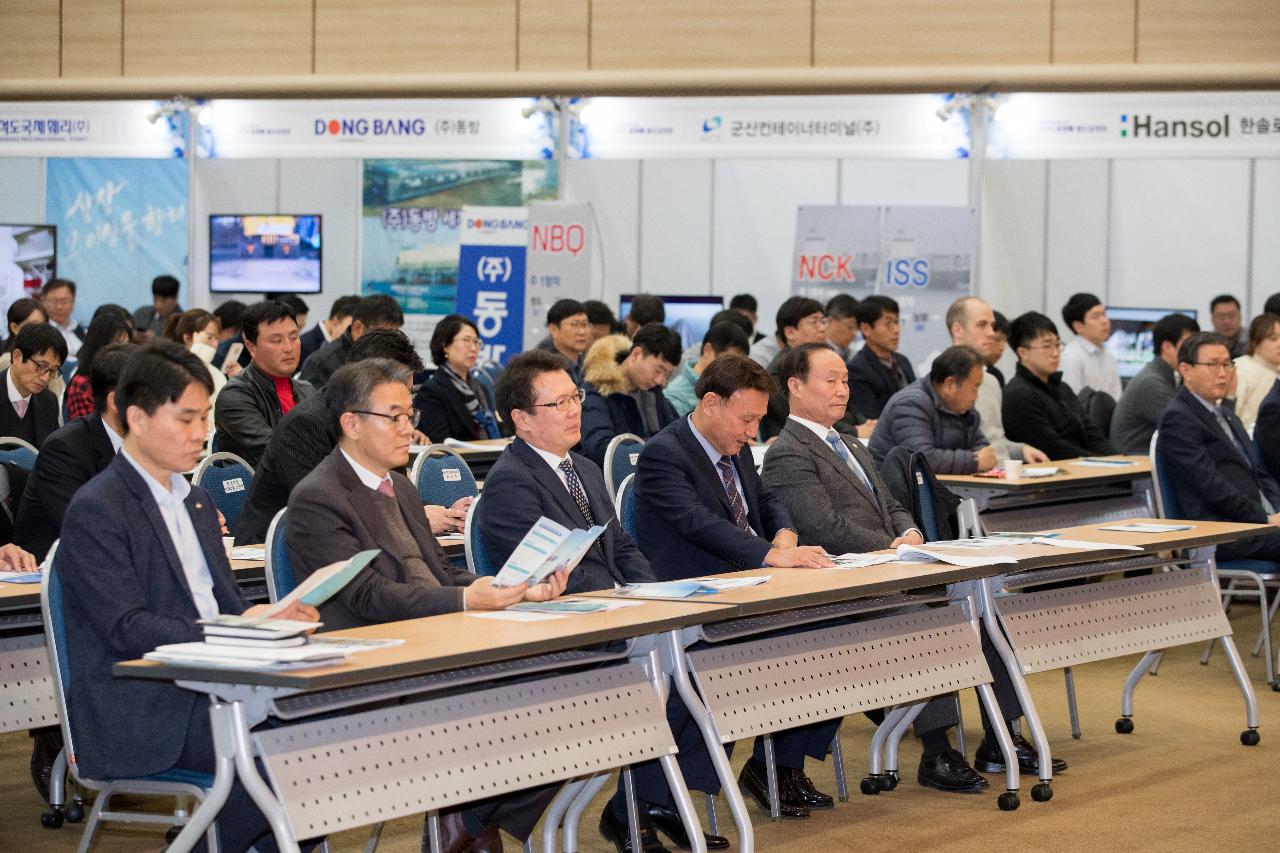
point(355, 500)
point(141, 560)
point(800, 321)
point(831, 487)
point(701, 509)
point(31, 413)
point(327, 330)
point(372, 312)
point(537, 476)
point(878, 371)
point(1206, 455)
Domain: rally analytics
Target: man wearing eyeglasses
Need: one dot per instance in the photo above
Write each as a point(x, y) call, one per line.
point(1039, 408)
point(32, 413)
point(568, 333)
point(1206, 455)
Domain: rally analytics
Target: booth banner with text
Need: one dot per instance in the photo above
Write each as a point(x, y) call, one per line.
point(491, 277)
point(922, 257)
point(890, 126)
point(91, 129)
point(559, 261)
point(120, 224)
point(1135, 124)
point(479, 128)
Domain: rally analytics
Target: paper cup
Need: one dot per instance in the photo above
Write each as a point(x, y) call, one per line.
point(228, 542)
point(1012, 469)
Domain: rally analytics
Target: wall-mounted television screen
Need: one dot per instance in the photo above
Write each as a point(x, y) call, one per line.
point(264, 253)
point(28, 259)
point(1130, 340)
point(688, 316)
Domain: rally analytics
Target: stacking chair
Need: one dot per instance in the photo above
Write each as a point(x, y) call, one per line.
point(478, 560)
point(624, 504)
point(1259, 574)
point(18, 452)
point(181, 784)
point(226, 477)
point(620, 459)
point(279, 571)
point(442, 476)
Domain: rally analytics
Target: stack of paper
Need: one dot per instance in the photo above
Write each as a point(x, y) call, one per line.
point(922, 554)
point(246, 657)
point(547, 548)
point(685, 589)
point(19, 577)
point(261, 631)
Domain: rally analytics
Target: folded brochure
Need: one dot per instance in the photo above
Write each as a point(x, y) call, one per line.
point(325, 583)
point(547, 548)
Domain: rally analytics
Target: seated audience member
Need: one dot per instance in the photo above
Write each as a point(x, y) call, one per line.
point(58, 299)
point(1039, 408)
point(646, 308)
point(355, 500)
point(693, 352)
point(305, 436)
point(800, 320)
point(197, 331)
point(624, 380)
point(25, 312)
point(1224, 313)
point(568, 333)
point(842, 326)
point(71, 456)
point(746, 305)
point(1266, 431)
point(229, 315)
point(935, 416)
point(105, 330)
point(37, 355)
point(720, 338)
point(878, 371)
point(149, 320)
point(1001, 328)
point(453, 402)
point(331, 329)
point(700, 508)
point(1086, 362)
point(141, 560)
point(1206, 455)
point(830, 485)
point(371, 312)
point(1256, 372)
point(250, 405)
point(1138, 413)
point(601, 319)
point(972, 324)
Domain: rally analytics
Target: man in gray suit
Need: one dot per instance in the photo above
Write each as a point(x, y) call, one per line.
point(830, 487)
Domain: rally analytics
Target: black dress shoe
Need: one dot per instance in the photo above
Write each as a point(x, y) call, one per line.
point(989, 759)
point(668, 822)
point(754, 780)
point(804, 790)
point(46, 743)
point(616, 830)
point(488, 840)
point(948, 771)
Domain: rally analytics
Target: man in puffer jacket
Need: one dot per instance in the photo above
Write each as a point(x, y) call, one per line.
point(624, 380)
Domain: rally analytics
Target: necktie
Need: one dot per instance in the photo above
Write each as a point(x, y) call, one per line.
point(385, 488)
point(833, 439)
point(20, 406)
point(731, 488)
point(1226, 427)
point(575, 490)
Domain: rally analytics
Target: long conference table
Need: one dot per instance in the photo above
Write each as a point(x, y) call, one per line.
point(470, 706)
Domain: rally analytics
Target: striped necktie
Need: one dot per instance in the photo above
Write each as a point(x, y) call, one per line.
point(731, 488)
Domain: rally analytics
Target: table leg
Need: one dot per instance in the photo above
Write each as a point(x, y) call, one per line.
point(671, 768)
point(266, 799)
point(224, 774)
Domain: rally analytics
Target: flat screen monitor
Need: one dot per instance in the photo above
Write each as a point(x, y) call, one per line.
point(28, 259)
point(264, 253)
point(1130, 340)
point(688, 316)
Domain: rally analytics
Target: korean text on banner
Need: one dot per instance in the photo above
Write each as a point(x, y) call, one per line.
point(491, 277)
point(136, 129)
point(559, 261)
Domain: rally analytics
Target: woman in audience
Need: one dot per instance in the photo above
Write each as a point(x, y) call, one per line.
point(1256, 372)
point(106, 329)
point(24, 312)
point(197, 330)
point(453, 402)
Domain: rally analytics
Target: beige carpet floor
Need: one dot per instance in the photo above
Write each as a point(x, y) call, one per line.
point(1181, 782)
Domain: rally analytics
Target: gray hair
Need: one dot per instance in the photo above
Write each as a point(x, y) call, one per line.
point(351, 386)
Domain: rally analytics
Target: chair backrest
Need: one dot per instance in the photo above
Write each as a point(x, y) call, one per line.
point(620, 459)
point(68, 369)
point(226, 477)
point(1166, 500)
point(625, 506)
point(928, 512)
point(18, 452)
point(280, 580)
point(443, 476)
point(55, 640)
point(478, 560)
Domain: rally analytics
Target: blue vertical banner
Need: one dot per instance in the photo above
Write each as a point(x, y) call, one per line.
point(491, 277)
point(121, 223)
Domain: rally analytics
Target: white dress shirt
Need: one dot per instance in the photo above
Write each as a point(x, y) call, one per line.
point(555, 461)
point(1086, 365)
point(69, 335)
point(117, 440)
point(366, 476)
point(15, 396)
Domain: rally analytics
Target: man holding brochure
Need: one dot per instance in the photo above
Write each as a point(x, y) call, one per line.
point(355, 500)
point(141, 561)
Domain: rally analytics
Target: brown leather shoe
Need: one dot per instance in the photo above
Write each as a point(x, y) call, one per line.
point(488, 841)
point(454, 837)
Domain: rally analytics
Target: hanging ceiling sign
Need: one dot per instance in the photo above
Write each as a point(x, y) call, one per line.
point(897, 126)
point(473, 129)
point(1135, 124)
point(91, 129)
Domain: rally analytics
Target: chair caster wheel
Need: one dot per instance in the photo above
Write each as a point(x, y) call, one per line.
point(889, 781)
point(52, 819)
point(172, 833)
point(1250, 737)
point(75, 811)
point(1008, 801)
point(1124, 726)
point(1041, 792)
point(870, 785)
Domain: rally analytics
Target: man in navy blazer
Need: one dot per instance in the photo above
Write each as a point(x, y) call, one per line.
point(701, 508)
point(1207, 457)
point(141, 559)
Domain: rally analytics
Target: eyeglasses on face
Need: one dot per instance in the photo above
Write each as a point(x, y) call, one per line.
point(400, 421)
point(1216, 366)
point(565, 403)
point(1051, 346)
point(43, 369)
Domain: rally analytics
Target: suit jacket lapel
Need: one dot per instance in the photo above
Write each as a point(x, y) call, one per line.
point(142, 491)
point(549, 479)
point(703, 465)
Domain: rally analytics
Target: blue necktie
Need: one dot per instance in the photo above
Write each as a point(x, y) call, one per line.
point(833, 439)
point(1231, 434)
